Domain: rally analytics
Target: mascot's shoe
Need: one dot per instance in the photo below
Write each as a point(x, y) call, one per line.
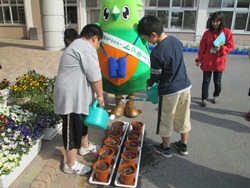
point(130, 110)
point(118, 110)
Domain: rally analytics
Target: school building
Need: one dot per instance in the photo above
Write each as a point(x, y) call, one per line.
point(46, 20)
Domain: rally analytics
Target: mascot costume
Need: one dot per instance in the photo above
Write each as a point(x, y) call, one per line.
point(124, 56)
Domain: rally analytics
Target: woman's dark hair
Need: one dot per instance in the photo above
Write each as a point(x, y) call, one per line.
point(149, 24)
point(70, 34)
point(91, 30)
point(216, 16)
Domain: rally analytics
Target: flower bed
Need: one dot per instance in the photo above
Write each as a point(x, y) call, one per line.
point(19, 132)
point(21, 126)
point(7, 180)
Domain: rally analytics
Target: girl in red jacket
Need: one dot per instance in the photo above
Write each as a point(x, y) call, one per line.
point(212, 59)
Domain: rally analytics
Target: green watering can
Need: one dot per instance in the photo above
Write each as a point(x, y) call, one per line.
point(152, 95)
point(98, 117)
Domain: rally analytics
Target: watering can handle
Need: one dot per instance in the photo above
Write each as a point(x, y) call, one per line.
point(95, 104)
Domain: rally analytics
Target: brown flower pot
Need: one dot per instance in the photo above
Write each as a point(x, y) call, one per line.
point(127, 173)
point(137, 125)
point(129, 157)
point(134, 135)
point(101, 169)
point(115, 134)
point(117, 125)
point(112, 143)
point(106, 154)
point(132, 145)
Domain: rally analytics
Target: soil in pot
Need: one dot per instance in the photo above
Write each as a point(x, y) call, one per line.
point(133, 135)
point(127, 173)
point(132, 145)
point(117, 125)
point(137, 125)
point(101, 169)
point(106, 154)
point(112, 143)
point(129, 157)
point(115, 134)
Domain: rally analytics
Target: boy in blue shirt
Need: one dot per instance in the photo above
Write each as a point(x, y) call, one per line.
point(168, 69)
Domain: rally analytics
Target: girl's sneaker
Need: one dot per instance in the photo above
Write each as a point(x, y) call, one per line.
point(204, 103)
point(78, 168)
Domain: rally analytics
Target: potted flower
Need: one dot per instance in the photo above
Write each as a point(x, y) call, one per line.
point(127, 173)
point(4, 91)
point(27, 86)
point(115, 134)
point(117, 125)
point(112, 143)
point(129, 157)
point(132, 145)
point(101, 169)
point(134, 135)
point(137, 125)
point(106, 154)
point(43, 106)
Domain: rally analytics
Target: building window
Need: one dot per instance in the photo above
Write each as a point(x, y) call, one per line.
point(243, 4)
point(228, 3)
point(214, 4)
point(176, 19)
point(236, 13)
point(93, 10)
point(174, 14)
point(12, 12)
point(228, 17)
point(240, 21)
point(189, 18)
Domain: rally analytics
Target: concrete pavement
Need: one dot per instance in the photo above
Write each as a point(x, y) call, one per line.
point(219, 144)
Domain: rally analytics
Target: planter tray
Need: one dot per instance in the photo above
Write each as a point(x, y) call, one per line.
point(117, 181)
point(115, 158)
point(50, 133)
point(7, 180)
point(141, 137)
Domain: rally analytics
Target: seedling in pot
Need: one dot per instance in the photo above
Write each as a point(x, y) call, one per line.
point(102, 166)
point(106, 152)
point(127, 170)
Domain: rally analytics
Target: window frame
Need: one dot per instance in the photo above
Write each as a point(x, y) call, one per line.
point(11, 5)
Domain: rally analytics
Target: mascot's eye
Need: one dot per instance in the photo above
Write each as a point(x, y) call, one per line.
point(125, 13)
point(106, 13)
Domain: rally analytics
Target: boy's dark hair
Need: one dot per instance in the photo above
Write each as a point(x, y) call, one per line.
point(70, 34)
point(91, 30)
point(149, 24)
point(216, 16)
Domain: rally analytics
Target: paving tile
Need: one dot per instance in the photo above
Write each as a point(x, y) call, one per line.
point(38, 184)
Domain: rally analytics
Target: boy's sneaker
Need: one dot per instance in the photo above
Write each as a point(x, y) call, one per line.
point(181, 147)
point(166, 152)
point(78, 168)
point(204, 103)
point(215, 100)
point(92, 148)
